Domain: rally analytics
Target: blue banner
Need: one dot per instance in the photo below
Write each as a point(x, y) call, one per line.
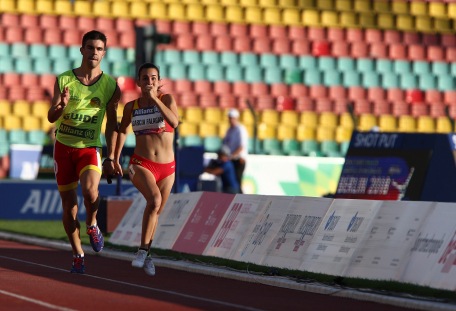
point(40, 199)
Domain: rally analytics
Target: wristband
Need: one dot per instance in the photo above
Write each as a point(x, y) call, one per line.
point(107, 159)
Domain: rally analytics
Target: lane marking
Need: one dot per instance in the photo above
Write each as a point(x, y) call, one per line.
point(145, 287)
point(38, 302)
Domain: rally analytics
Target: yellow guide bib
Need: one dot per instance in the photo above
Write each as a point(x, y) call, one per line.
point(80, 124)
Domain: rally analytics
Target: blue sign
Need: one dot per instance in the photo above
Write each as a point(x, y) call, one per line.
point(40, 199)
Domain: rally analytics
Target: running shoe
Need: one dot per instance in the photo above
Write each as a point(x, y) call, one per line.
point(78, 265)
point(149, 266)
point(138, 262)
point(96, 238)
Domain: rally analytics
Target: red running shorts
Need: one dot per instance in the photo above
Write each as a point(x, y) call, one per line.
point(70, 163)
point(159, 170)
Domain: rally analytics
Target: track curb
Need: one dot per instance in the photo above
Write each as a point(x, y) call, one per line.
point(241, 276)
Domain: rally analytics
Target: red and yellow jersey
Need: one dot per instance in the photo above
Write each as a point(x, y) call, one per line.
point(148, 120)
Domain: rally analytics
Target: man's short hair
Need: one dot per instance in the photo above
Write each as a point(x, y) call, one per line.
point(94, 35)
point(225, 150)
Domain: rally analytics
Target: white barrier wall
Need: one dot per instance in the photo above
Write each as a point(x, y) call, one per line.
point(390, 240)
point(338, 236)
point(173, 218)
point(297, 229)
point(234, 225)
point(255, 242)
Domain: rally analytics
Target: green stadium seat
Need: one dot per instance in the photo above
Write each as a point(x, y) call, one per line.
point(62, 65)
point(36, 137)
point(345, 64)
point(421, 67)
point(344, 147)
point(177, 72)
point(190, 141)
point(371, 79)
point(292, 76)
point(315, 153)
point(327, 146)
point(307, 62)
point(440, 68)
point(23, 65)
point(6, 64)
point(130, 141)
point(4, 49)
point(408, 81)
point(215, 72)
point(308, 146)
point(77, 63)
point(130, 55)
point(390, 80)
point(3, 136)
point(191, 57)
point(229, 58)
point(115, 54)
point(312, 76)
point(332, 77)
point(295, 153)
point(17, 137)
point(365, 65)
point(453, 69)
point(326, 63)
point(351, 78)
point(290, 146)
point(401, 66)
point(164, 73)
point(251, 145)
point(445, 83)
point(269, 145)
point(427, 82)
point(19, 50)
point(273, 75)
point(288, 61)
point(212, 143)
point(58, 51)
point(196, 72)
point(74, 52)
point(233, 73)
point(276, 152)
point(210, 58)
point(269, 60)
point(253, 74)
point(384, 66)
point(40, 51)
point(171, 57)
point(4, 149)
point(43, 66)
point(248, 59)
point(334, 154)
point(159, 58)
point(105, 66)
point(122, 69)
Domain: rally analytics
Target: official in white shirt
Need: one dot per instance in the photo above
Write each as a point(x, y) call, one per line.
point(237, 139)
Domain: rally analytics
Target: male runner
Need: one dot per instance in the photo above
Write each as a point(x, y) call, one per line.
point(81, 98)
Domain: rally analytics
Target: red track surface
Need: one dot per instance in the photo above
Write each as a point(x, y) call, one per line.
point(109, 284)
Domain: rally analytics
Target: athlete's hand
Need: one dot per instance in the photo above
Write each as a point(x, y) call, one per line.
point(109, 171)
point(118, 168)
point(152, 92)
point(64, 98)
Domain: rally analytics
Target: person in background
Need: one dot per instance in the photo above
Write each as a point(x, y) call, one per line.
point(223, 167)
point(237, 139)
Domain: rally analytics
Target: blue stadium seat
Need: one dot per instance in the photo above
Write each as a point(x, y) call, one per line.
point(427, 82)
point(171, 57)
point(196, 72)
point(43, 66)
point(402, 67)
point(384, 66)
point(19, 50)
point(345, 64)
point(123, 69)
point(371, 79)
point(351, 78)
point(390, 80)
point(36, 137)
point(74, 52)
point(312, 76)
point(177, 71)
point(440, 68)
point(105, 66)
point(408, 81)
point(307, 62)
point(6, 64)
point(248, 59)
point(229, 58)
point(62, 65)
point(215, 72)
point(332, 77)
point(191, 57)
point(365, 65)
point(57, 51)
point(421, 67)
point(233, 73)
point(17, 137)
point(288, 61)
point(273, 75)
point(326, 63)
point(269, 60)
point(210, 58)
point(23, 65)
point(445, 83)
point(253, 74)
point(115, 54)
point(4, 49)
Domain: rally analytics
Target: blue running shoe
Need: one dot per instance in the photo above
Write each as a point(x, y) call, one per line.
point(96, 238)
point(78, 265)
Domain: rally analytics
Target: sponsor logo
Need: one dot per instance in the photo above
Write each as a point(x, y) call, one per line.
point(95, 102)
point(332, 222)
point(134, 160)
point(355, 223)
point(80, 117)
point(142, 111)
point(74, 131)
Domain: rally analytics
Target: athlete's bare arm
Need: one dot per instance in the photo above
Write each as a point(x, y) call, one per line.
point(167, 107)
point(111, 131)
point(123, 132)
point(59, 102)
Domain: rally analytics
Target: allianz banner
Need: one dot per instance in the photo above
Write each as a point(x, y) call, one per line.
point(40, 200)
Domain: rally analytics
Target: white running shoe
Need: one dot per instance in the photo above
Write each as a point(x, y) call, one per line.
point(138, 262)
point(149, 266)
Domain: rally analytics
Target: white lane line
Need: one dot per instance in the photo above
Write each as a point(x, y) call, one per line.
point(145, 287)
point(38, 302)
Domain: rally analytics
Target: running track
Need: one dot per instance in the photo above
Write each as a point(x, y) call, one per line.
point(37, 278)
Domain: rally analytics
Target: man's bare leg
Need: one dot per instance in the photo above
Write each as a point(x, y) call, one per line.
point(70, 219)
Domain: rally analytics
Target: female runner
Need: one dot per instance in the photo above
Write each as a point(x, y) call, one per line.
point(151, 169)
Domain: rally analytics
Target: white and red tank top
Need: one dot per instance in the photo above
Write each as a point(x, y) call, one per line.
point(148, 120)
